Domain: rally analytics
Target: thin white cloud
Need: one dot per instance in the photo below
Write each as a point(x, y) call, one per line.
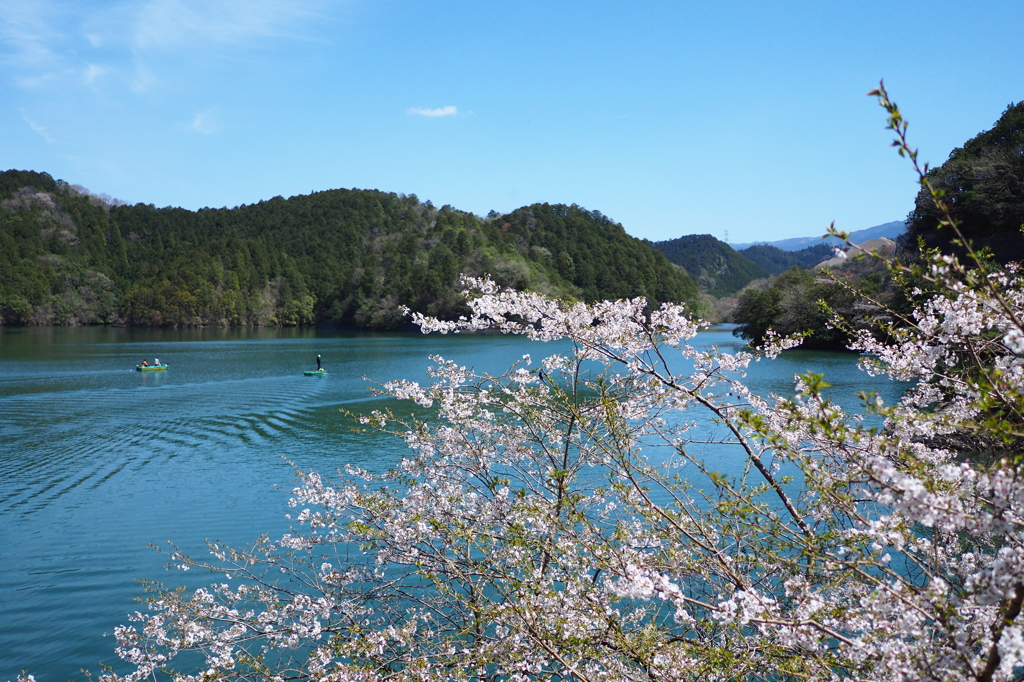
point(435, 113)
point(142, 79)
point(93, 73)
point(205, 123)
point(28, 36)
point(50, 43)
point(38, 129)
point(41, 44)
point(162, 24)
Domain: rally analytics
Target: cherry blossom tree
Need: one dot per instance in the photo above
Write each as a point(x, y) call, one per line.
point(556, 521)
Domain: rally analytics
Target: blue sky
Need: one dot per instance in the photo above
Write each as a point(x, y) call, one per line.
point(745, 119)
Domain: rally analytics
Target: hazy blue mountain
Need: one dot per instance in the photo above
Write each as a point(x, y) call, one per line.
point(891, 230)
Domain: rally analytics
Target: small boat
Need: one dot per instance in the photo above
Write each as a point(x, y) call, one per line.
point(314, 372)
point(149, 368)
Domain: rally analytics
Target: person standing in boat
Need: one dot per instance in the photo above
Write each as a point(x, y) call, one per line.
point(318, 363)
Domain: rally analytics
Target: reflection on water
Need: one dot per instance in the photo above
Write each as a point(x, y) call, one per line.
point(97, 459)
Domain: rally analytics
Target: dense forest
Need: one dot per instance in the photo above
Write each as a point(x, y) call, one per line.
point(593, 253)
point(983, 182)
point(716, 266)
point(722, 271)
point(344, 257)
point(804, 302)
point(776, 261)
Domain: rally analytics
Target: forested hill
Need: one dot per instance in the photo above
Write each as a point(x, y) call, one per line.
point(596, 255)
point(349, 257)
point(983, 183)
point(776, 261)
point(716, 266)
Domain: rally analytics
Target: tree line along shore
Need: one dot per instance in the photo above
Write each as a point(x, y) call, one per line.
point(353, 258)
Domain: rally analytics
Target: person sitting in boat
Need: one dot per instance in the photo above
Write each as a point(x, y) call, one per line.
point(145, 364)
point(156, 361)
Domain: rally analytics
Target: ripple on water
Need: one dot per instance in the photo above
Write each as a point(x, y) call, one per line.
point(89, 438)
point(97, 460)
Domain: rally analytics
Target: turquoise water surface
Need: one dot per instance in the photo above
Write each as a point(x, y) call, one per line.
point(98, 461)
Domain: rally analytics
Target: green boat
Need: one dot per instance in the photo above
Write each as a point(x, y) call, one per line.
point(149, 368)
point(314, 372)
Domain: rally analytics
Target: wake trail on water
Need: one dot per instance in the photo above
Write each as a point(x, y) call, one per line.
point(62, 443)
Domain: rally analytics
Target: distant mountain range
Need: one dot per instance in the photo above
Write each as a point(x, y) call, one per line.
point(724, 269)
point(890, 230)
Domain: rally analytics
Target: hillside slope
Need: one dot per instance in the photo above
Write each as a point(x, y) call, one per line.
point(983, 183)
point(348, 257)
point(776, 260)
point(594, 255)
point(716, 266)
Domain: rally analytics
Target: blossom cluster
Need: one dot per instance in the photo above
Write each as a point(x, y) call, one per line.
point(554, 522)
point(537, 529)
